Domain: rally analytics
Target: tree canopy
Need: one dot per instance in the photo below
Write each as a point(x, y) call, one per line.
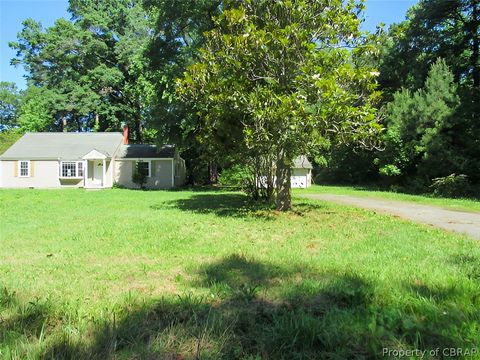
point(92, 67)
point(430, 106)
point(9, 103)
point(279, 79)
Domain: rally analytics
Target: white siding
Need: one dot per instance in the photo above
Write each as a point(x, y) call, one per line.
point(45, 175)
point(108, 181)
point(161, 176)
point(180, 170)
point(301, 178)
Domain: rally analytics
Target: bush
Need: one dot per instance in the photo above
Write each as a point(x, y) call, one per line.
point(451, 186)
point(389, 170)
point(237, 175)
point(116, 185)
point(139, 176)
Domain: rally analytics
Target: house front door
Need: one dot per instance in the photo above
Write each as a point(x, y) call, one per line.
point(97, 172)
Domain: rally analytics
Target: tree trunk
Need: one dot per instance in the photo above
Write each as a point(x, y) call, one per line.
point(212, 173)
point(282, 184)
point(97, 122)
point(474, 60)
point(138, 131)
point(270, 187)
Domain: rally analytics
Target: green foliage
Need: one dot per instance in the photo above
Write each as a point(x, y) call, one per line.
point(140, 174)
point(92, 66)
point(273, 81)
point(235, 175)
point(8, 138)
point(448, 130)
point(9, 102)
point(346, 164)
point(452, 185)
point(434, 28)
point(34, 114)
point(420, 140)
point(389, 170)
point(425, 138)
point(178, 29)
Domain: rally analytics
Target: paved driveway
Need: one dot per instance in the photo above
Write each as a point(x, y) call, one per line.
point(463, 222)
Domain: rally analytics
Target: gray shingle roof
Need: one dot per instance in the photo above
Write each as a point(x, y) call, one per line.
point(145, 151)
point(68, 146)
point(302, 162)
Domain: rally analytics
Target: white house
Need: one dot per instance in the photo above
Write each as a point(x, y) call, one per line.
point(88, 160)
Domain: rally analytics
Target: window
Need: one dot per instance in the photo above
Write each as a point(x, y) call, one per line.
point(71, 169)
point(24, 169)
point(144, 167)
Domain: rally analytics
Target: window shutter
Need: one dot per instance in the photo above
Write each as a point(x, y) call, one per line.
point(32, 168)
point(15, 168)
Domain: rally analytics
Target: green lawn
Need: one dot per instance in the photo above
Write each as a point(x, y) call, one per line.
point(206, 275)
point(455, 204)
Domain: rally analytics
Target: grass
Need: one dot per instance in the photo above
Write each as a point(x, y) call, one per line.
point(453, 204)
point(123, 274)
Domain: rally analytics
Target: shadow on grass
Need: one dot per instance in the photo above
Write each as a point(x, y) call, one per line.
point(25, 320)
point(257, 310)
point(225, 204)
point(469, 265)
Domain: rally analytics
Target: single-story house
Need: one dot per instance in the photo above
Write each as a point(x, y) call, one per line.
point(89, 160)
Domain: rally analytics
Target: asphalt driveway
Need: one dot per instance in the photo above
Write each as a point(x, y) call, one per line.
point(462, 222)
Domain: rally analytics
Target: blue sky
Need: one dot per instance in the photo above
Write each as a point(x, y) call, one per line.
point(13, 12)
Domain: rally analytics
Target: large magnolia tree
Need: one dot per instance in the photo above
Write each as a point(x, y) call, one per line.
point(277, 79)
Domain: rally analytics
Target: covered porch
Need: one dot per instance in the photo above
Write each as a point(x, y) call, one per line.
point(96, 170)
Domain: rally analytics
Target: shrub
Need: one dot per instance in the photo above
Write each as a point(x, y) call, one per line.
point(389, 170)
point(139, 176)
point(451, 186)
point(237, 175)
point(116, 185)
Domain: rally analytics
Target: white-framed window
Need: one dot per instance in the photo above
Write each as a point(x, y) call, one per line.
point(71, 169)
point(144, 167)
point(24, 168)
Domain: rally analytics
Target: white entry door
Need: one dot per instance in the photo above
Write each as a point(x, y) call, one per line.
point(97, 172)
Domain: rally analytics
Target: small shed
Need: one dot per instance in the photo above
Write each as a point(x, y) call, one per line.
point(301, 172)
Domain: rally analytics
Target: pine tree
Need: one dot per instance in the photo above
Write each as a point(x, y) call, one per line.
point(420, 138)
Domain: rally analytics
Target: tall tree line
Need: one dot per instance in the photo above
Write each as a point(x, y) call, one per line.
point(429, 75)
point(88, 72)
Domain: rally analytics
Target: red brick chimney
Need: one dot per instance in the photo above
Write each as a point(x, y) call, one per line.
point(125, 134)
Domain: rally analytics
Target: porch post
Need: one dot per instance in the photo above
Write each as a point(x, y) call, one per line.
point(104, 172)
point(85, 173)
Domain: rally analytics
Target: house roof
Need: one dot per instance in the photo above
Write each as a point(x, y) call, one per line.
point(302, 162)
point(145, 151)
point(68, 146)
